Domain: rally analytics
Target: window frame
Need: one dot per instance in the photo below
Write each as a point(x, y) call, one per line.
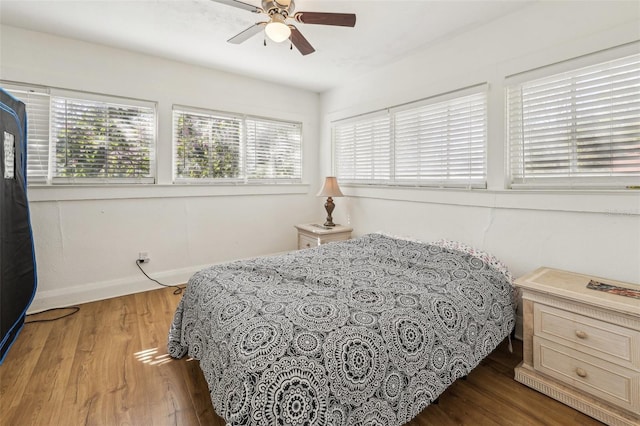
point(50, 179)
point(43, 145)
point(110, 101)
point(296, 162)
point(179, 109)
point(517, 180)
point(374, 120)
point(443, 100)
point(243, 177)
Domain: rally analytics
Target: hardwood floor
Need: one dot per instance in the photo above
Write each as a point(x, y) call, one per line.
point(107, 365)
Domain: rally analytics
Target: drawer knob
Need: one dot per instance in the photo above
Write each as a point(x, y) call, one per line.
point(581, 334)
point(308, 245)
point(580, 372)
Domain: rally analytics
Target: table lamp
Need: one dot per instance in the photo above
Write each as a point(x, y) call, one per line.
point(330, 189)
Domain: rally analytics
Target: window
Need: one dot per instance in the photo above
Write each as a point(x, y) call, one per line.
point(95, 140)
point(37, 104)
point(206, 146)
point(76, 137)
point(439, 141)
point(579, 128)
point(273, 149)
point(218, 147)
point(442, 143)
point(363, 149)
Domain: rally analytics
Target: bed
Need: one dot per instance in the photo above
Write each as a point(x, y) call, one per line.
point(365, 331)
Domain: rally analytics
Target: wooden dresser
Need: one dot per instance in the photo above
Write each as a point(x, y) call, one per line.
point(581, 346)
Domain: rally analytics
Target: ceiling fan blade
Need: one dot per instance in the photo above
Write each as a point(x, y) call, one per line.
point(241, 5)
point(248, 33)
point(300, 42)
point(322, 18)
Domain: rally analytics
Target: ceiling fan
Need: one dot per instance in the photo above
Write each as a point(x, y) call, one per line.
point(277, 28)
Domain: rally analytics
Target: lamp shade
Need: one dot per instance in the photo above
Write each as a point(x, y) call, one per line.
point(330, 188)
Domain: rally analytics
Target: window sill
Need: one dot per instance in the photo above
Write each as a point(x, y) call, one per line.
point(615, 202)
point(40, 193)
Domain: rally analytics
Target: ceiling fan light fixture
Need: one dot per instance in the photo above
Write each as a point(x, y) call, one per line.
point(277, 30)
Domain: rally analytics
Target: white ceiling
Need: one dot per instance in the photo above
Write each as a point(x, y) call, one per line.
point(195, 31)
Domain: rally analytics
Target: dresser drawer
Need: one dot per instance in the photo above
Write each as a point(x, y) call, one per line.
point(598, 338)
point(305, 241)
point(618, 385)
point(314, 235)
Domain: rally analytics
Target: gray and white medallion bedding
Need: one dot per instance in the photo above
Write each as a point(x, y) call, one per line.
point(365, 331)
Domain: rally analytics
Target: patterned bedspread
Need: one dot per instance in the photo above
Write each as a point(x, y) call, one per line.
point(365, 331)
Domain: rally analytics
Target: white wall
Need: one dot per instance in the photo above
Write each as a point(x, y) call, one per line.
point(587, 231)
point(87, 238)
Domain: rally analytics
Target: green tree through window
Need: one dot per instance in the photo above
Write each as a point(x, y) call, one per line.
point(101, 140)
point(207, 146)
point(217, 146)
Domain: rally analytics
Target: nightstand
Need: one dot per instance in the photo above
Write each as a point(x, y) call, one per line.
point(581, 346)
point(312, 234)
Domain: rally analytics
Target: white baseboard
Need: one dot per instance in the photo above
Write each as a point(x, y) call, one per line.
point(91, 292)
point(101, 290)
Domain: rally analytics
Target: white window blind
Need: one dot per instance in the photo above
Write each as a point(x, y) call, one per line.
point(94, 140)
point(440, 141)
point(217, 147)
point(206, 146)
point(577, 129)
point(37, 105)
point(363, 149)
point(273, 150)
point(443, 143)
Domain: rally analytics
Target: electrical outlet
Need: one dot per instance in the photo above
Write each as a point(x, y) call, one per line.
point(143, 257)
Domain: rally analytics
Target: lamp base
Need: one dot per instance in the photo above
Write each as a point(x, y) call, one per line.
point(329, 206)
